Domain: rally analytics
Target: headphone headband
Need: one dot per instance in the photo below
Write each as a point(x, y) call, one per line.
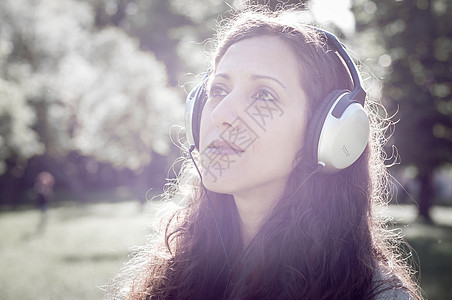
point(358, 92)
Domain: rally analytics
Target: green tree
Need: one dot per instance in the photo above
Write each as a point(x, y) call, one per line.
point(176, 31)
point(417, 41)
point(66, 85)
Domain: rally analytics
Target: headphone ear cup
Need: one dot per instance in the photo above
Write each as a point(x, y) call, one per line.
point(194, 105)
point(316, 124)
point(344, 136)
point(338, 132)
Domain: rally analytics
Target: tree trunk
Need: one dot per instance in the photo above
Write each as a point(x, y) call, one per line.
point(426, 195)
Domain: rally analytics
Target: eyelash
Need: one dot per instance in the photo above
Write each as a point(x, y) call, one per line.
point(216, 92)
point(219, 92)
point(267, 94)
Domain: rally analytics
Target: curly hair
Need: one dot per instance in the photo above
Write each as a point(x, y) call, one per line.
point(324, 240)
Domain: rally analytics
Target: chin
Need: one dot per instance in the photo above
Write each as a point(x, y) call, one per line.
point(218, 185)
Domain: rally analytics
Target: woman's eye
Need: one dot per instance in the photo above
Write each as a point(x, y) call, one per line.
point(217, 91)
point(264, 96)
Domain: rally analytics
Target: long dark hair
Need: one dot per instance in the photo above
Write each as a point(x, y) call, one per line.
point(323, 241)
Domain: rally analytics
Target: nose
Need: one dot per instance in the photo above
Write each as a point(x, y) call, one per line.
point(227, 110)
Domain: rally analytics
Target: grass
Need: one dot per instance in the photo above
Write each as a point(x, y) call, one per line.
point(73, 256)
point(433, 247)
point(79, 249)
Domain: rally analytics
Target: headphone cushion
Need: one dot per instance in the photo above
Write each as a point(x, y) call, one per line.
point(200, 102)
point(316, 123)
point(194, 106)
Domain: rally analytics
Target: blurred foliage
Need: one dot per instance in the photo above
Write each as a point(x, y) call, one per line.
point(69, 85)
point(91, 87)
point(92, 90)
point(415, 55)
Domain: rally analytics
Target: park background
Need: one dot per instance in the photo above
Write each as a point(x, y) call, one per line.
point(93, 92)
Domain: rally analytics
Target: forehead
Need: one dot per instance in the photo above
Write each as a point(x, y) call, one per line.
point(268, 54)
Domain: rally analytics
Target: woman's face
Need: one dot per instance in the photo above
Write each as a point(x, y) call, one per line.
point(254, 121)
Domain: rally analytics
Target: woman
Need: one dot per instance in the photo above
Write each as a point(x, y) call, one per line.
point(274, 218)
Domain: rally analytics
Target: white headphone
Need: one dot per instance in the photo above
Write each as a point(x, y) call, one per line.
point(337, 133)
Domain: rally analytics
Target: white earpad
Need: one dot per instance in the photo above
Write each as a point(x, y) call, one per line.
point(343, 140)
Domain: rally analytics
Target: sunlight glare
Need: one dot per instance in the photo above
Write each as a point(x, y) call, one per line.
point(336, 12)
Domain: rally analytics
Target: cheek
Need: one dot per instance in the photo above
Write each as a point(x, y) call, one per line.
point(292, 131)
point(289, 139)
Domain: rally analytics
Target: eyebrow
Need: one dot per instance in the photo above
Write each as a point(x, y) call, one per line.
point(254, 77)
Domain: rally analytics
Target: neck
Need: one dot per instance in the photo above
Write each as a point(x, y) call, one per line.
point(254, 207)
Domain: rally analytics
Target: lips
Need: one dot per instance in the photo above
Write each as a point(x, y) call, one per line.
point(224, 147)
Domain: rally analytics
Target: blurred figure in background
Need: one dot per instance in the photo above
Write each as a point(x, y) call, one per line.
point(44, 188)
